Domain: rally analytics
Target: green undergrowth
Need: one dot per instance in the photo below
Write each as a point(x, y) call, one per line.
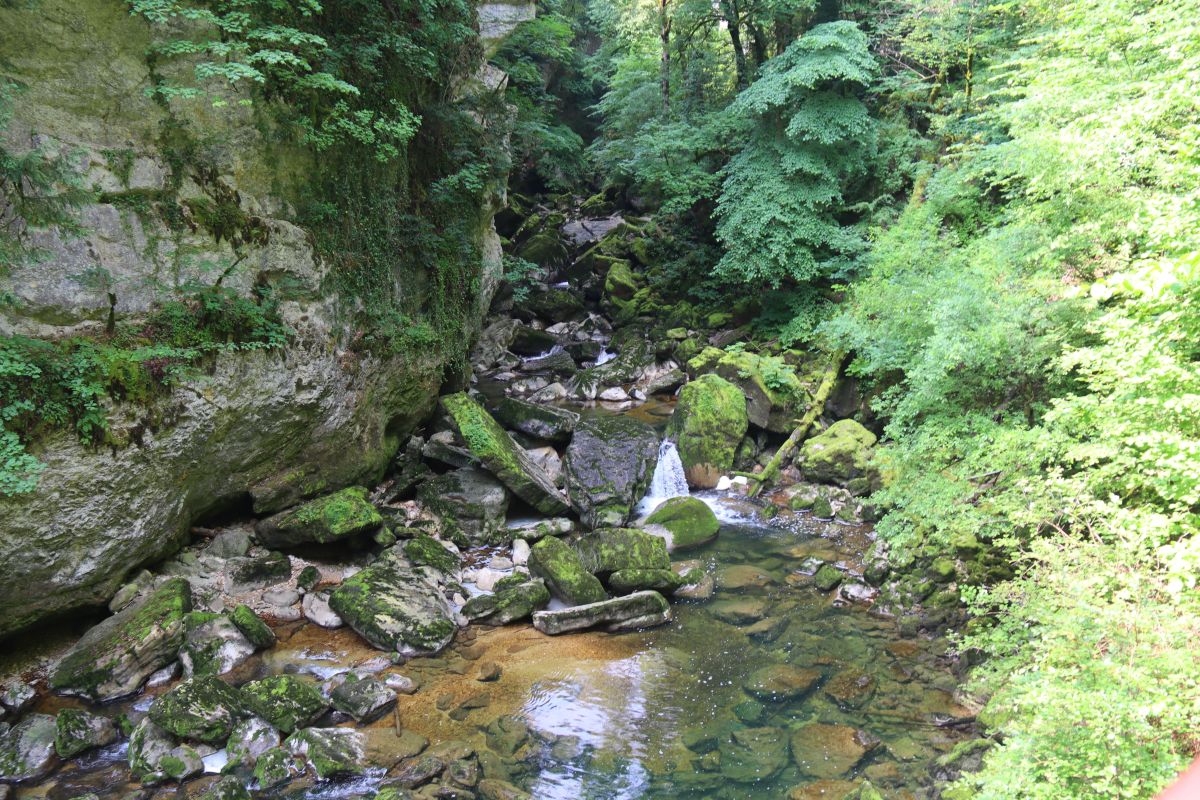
point(73, 383)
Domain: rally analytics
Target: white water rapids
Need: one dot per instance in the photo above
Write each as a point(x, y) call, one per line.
point(668, 481)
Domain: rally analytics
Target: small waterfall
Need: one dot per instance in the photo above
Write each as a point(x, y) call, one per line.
point(558, 348)
point(604, 356)
point(668, 481)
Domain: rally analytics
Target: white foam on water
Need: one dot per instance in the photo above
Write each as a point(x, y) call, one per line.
point(215, 762)
point(604, 356)
point(553, 351)
point(668, 481)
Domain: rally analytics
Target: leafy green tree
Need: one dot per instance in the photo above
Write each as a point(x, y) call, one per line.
point(807, 136)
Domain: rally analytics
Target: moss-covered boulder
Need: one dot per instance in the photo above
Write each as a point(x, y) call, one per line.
point(492, 445)
point(252, 626)
point(228, 787)
point(689, 520)
point(558, 564)
point(609, 550)
point(620, 284)
point(554, 305)
point(426, 552)
point(509, 603)
point(365, 698)
point(204, 708)
point(156, 755)
point(625, 581)
point(331, 752)
point(536, 420)
point(286, 701)
point(116, 656)
point(27, 749)
point(838, 455)
point(470, 503)
point(250, 739)
point(775, 395)
point(608, 467)
point(327, 519)
point(77, 731)
point(274, 768)
point(527, 341)
point(707, 426)
point(395, 606)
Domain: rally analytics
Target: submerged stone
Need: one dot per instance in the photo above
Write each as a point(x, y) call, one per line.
point(492, 445)
point(707, 426)
point(116, 656)
point(286, 701)
point(779, 682)
point(204, 708)
point(608, 467)
point(327, 519)
point(753, 755)
point(689, 519)
point(560, 566)
point(850, 688)
point(641, 609)
point(829, 751)
point(395, 606)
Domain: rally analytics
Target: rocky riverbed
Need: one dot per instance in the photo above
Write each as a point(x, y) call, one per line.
point(529, 605)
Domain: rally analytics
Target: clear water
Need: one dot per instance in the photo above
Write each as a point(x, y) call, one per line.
point(609, 716)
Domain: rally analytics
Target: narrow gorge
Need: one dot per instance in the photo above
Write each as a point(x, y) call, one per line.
point(596, 400)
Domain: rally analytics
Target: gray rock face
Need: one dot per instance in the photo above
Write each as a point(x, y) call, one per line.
point(250, 739)
point(471, 504)
point(608, 467)
point(318, 611)
point(279, 425)
point(116, 656)
point(396, 606)
point(27, 749)
point(637, 610)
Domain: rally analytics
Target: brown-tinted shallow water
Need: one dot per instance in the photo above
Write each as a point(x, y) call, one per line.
point(662, 713)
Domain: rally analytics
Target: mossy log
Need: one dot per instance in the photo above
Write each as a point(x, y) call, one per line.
point(828, 380)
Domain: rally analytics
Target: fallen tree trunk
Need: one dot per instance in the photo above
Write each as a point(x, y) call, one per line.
point(828, 380)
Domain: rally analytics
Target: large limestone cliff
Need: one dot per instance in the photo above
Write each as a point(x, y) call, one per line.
point(265, 427)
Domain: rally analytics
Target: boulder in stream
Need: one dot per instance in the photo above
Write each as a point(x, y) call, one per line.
point(637, 610)
point(327, 519)
point(471, 504)
point(331, 752)
point(753, 755)
point(203, 708)
point(492, 445)
point(214, 648)
point(608, 467)
point(558, 564)
point(839, 454)
point(609, 550)
point(775, 404)
point(286, 701)
point(689, 521)
point(707, 426)
point(116, 656)
point(508, 604)
point(395, 605)
point(27, 749)
point(364, 698)
point(77, 731)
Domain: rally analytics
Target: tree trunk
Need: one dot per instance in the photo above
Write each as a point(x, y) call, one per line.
point(759, 45)
point(664, 78)
point(828, 380)
point(729, 12)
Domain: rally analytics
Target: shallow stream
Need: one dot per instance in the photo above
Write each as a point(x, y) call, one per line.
point(596, 715)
